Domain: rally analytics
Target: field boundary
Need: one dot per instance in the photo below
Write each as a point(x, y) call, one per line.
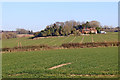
point(63, 46)
point(90, 44)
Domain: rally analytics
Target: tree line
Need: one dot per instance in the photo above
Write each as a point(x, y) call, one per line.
point(13, 34)
point(23, 31)
point(67, 28)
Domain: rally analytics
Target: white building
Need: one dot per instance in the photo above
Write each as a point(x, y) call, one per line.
point(102, 32)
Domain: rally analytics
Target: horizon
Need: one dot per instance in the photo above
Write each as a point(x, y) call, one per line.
point(37, 15)
point(59, 26)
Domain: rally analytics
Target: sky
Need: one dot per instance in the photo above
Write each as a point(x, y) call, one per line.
point(37, 15)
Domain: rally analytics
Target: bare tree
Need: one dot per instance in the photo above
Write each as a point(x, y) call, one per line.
point(78, 23)
point(23, 31)
point(105, 26)
point(94, 24)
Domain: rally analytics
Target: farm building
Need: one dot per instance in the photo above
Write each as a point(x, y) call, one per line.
point(89, 30)
point(102, 32)
point(85, 31)
point(93, 30)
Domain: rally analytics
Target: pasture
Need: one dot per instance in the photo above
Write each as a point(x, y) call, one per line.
point(85, 62)
point(57, 41)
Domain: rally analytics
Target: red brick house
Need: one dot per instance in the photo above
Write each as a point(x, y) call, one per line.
point(89, 30)
point(93, 30)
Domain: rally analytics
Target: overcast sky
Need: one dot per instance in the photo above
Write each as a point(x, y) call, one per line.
point(37, 15)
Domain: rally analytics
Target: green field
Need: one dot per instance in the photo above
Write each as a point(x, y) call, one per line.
point(57, 41)
point(84, 61)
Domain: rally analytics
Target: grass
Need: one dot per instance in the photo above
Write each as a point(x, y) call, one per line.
point(57, 41)
point(85, 61)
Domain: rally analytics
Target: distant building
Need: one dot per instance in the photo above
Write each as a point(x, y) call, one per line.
point(93, 30)
point(85, 31)
point(89, 30)
point(102, 32)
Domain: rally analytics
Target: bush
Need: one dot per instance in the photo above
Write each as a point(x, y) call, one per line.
point(9, 35)
point(95, 44)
